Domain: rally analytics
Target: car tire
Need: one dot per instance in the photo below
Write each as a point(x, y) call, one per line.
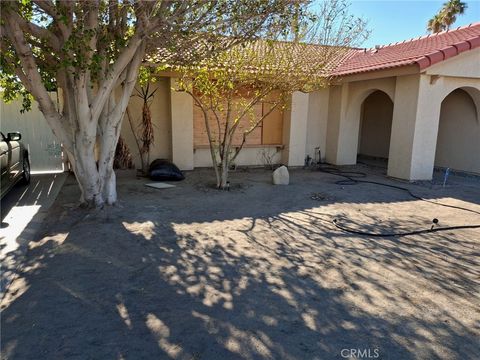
point(26, 171)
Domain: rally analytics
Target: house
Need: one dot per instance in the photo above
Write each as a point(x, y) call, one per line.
point(415, 103)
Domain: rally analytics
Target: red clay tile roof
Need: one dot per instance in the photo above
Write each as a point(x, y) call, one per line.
point(424, 51)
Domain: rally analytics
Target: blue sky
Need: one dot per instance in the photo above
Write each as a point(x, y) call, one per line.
point(394, 20)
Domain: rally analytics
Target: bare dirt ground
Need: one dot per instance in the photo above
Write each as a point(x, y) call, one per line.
point(255, 273)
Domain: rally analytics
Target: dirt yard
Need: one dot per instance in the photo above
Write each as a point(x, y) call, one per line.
point(259, 272)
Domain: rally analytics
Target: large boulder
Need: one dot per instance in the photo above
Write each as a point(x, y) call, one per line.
point(281, 176)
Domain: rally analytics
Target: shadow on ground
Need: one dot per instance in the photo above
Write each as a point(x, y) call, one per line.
point(22, 212)
point(259, 273)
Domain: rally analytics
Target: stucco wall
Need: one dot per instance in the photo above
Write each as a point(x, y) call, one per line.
point(181, 108)
point(344, 113)
point(317, 123)
point(295, 130)
point(376, 125)
point(256, 156)
point(458, 143)
point(160, 110)
point(416, 121)
point(466, 64)
point(338, 95)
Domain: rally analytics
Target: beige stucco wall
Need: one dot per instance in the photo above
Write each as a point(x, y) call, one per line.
point(344, 113)
point(295, 130)
point(256, 156)
point(466, 64)
point(417, 99)
point(181, 106)
point(160, 110)
point(403, 126)
point(172, 114)
point(317, 123)
point(416, 119)
point(338, 95)
point(376, 125)
point(458, 143)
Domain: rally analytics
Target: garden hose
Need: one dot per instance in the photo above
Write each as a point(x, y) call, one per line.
point(354, 177)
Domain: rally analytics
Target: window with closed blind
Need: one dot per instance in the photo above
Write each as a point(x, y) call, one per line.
point(269, 132)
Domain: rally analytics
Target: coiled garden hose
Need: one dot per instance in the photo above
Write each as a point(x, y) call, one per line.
point(354, 177)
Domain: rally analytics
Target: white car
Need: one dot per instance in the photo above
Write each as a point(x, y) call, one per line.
point(15, 163)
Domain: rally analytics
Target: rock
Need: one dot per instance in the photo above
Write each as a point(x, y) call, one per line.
point(281, 176)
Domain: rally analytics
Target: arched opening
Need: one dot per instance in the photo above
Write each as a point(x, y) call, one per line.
point(375, 128)
point(458, 140)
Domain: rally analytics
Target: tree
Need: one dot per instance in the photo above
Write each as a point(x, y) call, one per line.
point(435, 24)
point(450, 10)
point(446, 16)
point(232, 88)
point(90, 53)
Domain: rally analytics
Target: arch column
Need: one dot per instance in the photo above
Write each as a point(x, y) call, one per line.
point(342, 132)
point(344, 111)
point(416, 114)
point(181, 106)
point(295, 130)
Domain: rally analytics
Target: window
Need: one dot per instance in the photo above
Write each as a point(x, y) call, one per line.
point(267, 133)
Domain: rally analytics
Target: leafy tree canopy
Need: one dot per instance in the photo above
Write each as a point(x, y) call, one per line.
point(90, 51)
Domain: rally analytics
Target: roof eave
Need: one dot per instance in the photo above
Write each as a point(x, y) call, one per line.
point(447, 52)
point(403, 70)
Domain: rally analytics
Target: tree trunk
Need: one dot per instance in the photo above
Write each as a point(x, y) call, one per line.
point(88, 111)
point(108, 181)
point(97, 180)
point(222, 177)
point(224, 185)
point(96, 176)
point(216, 166)
point(87, 175)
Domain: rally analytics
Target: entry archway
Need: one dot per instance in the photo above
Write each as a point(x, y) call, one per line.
point(458, 139)
point(375, 125)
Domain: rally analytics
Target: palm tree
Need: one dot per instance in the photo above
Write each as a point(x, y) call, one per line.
point(450, 10)
point(436, 24)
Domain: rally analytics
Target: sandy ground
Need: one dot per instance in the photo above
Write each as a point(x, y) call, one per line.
point(255, 273)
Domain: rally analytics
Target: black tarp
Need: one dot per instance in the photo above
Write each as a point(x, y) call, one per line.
point(164, 170)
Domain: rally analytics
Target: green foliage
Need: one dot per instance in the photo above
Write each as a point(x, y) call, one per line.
point(446, 16)
point(12, 90)
point(11, 87)
point(147, 75)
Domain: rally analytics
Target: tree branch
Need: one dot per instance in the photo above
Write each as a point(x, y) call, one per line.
point(107, 86)
point(35, 30)
point(248, 132)
point(33, 81)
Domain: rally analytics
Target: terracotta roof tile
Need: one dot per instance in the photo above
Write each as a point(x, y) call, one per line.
point(424, 51)
point(309, 57)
